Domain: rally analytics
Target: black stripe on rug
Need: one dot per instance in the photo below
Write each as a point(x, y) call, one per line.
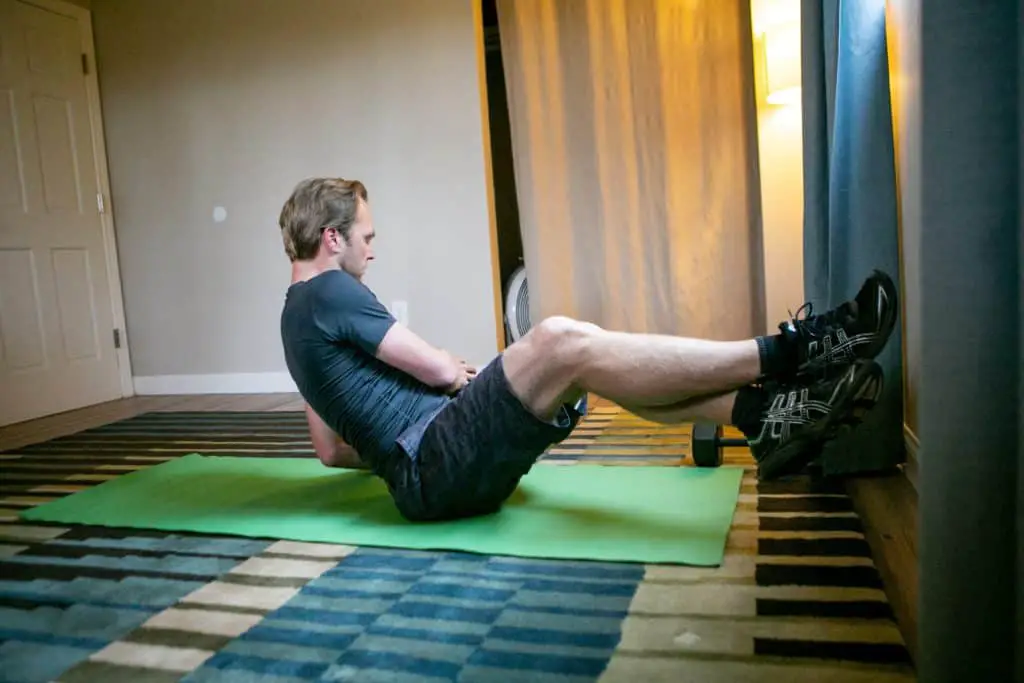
point(845, 523)
point(869, 653)
point(814, 503)
point(825, 609)
point(817, 575)
point(822, 547)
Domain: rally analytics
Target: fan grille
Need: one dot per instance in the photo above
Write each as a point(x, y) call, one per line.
point(523, 308)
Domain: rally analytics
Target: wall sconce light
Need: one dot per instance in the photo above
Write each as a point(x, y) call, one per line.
point(781, 45)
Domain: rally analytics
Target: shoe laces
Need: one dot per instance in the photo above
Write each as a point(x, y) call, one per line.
point(813, 326)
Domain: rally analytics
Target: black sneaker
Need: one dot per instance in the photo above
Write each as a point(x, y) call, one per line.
point(798, 418)
point(856, 329)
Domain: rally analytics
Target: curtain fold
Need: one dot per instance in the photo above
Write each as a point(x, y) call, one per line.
point(634, 143)
point(971, 532)
point(850, 196)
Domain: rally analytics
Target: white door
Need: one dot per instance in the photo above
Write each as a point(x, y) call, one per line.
point(57, 349)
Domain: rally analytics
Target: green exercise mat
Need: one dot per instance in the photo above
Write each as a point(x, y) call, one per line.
point(675, 515)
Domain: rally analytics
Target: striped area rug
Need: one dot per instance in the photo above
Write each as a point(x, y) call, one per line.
point(798, 597)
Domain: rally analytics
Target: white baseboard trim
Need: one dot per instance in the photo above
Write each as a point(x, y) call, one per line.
point(913, 454)
point(227, 383)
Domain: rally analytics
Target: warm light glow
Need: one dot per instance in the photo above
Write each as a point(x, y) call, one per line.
point(784, 97)
point(782, 63)
point(768, 14)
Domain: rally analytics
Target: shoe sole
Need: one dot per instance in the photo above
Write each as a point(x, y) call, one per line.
point(803, 449)
point(889, 322)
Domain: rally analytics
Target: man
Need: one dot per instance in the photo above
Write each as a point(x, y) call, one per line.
point(451, 443)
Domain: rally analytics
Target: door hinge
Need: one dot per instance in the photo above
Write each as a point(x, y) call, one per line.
point(100, 204)
point(117, 339)
point(85, 64)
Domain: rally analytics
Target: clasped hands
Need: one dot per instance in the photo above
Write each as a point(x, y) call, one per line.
point(465, 373)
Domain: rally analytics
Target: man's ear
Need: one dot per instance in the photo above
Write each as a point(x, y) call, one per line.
point(331, 240)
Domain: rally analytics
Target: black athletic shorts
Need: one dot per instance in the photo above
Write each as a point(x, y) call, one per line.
point(467, 459)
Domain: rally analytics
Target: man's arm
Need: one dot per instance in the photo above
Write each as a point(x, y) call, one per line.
point(332, 451)
point(353, 314)
point(404, 349)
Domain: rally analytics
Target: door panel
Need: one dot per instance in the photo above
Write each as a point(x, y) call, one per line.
point(56, 322)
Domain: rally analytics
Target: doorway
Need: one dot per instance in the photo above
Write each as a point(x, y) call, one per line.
point(506, 204)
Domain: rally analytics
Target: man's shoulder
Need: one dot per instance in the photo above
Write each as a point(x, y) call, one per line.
point(332, 281)
point(332, 290)
point(342, 308)
point(337, 285)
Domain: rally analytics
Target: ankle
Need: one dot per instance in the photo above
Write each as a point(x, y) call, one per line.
point(748, 409)
point(778, 355)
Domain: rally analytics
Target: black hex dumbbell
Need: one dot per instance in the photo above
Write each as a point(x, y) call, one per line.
point(707, 443)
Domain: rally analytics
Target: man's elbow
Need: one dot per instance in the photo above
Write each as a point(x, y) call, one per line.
point(326, 458)
point(343, 457)
point(327, 454)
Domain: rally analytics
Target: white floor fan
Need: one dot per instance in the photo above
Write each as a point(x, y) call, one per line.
point(517, 305)
point(517, 316)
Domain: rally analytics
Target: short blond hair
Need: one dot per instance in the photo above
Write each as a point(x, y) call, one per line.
point(316, 204)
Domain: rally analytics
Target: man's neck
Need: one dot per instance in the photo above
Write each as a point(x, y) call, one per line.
point(306, 270)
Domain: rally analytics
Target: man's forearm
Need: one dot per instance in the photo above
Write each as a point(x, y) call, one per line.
point(403, 349)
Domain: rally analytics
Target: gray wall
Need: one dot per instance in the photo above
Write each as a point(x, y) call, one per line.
point(229, 103)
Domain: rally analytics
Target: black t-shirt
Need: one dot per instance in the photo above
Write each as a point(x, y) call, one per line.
point(331, 326)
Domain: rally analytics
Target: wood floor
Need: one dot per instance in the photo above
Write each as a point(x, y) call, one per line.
point(887, 505)
point(34, 431)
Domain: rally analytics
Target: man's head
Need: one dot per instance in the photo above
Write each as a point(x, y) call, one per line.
point(327, 220)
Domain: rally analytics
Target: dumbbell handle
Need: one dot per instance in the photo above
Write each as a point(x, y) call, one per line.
point(733, 443)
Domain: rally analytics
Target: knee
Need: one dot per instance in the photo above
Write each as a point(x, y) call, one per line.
point(563, 337)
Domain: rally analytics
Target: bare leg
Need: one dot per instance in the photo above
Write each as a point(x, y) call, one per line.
point(658, 370)
point(561, 357)
point(716, 408)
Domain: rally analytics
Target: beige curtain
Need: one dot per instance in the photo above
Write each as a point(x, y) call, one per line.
point(634, 145)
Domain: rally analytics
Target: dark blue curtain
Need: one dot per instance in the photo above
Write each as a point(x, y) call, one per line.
point(970, 544)
point(850, 196)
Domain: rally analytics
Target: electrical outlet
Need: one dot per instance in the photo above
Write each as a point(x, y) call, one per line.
point(400, 309)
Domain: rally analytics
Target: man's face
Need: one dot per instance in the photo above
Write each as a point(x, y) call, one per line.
point(357, 254)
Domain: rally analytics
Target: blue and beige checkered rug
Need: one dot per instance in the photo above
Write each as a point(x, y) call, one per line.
point(798, 597)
